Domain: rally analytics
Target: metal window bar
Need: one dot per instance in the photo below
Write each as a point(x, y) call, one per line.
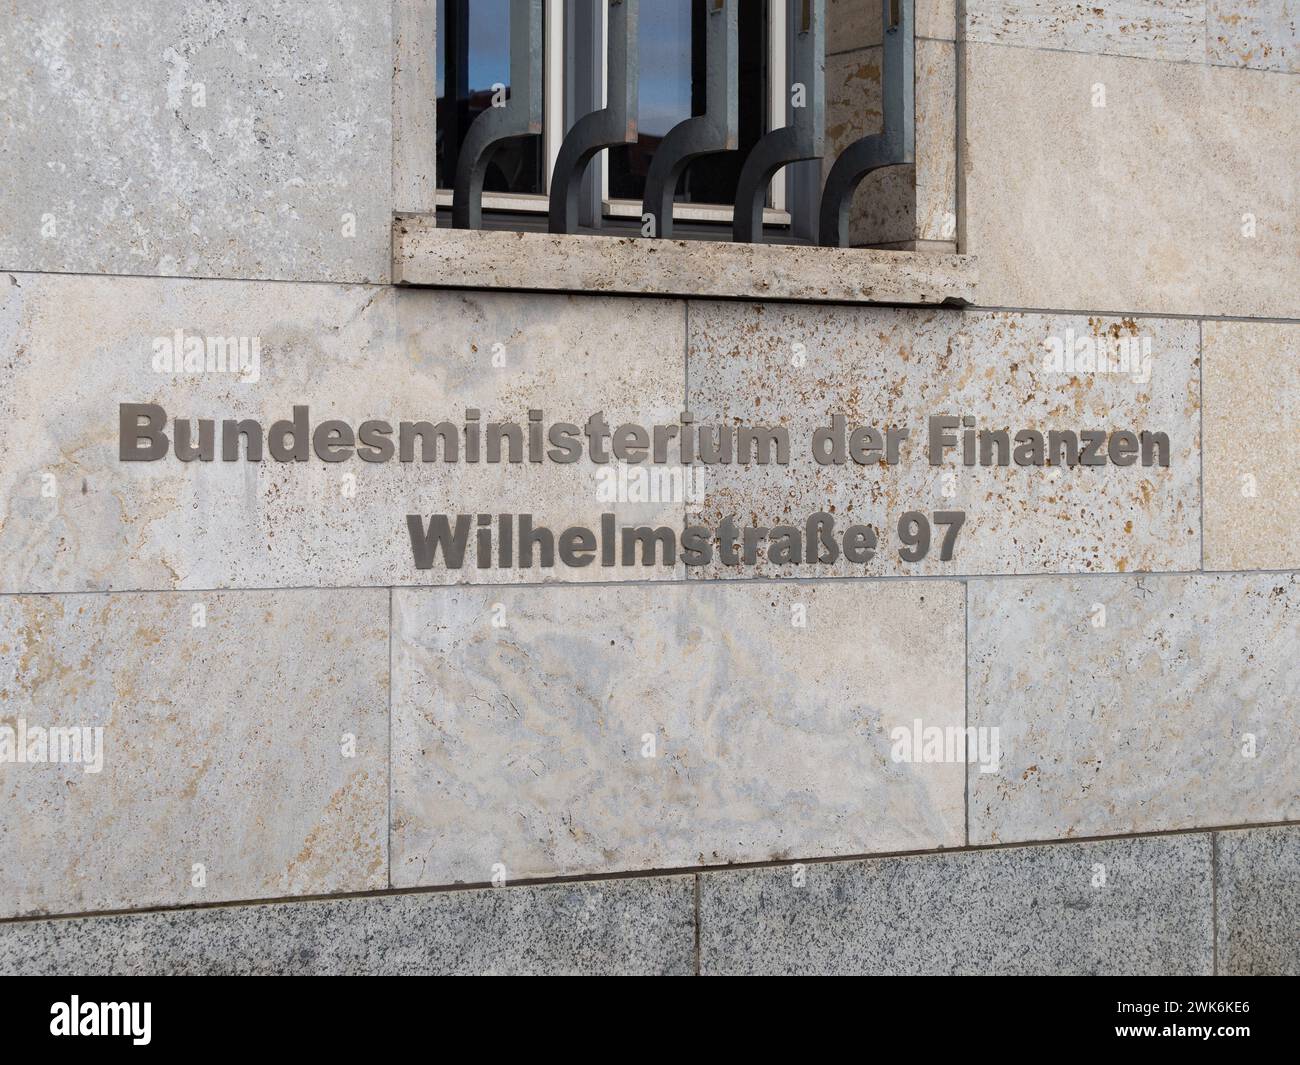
point(585, 90)
point(895, 145)
point(614, 124)
point(520, 114)
point(717, 130)
point(801, 144)
point(804, 138)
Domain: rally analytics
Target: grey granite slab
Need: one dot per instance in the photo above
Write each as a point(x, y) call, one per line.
point(1138, 906)
point(1258, 893)
point(644, 926)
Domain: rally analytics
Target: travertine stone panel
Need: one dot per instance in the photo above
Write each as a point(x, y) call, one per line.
point(558, 731)
point(243, 751)
point(1258, 896)
point(415, 104)
point(1254, 33)
point(905, 203)
point(1176, 197)
point(1152, 29)
point(853, 24)
point(1017, 911)
point(644, 926)
point(250, 139)
point(936, 19)
point(1252, 408)
point(784, 365)
point(76, 518)
point(558, 262)
point(1135, 704)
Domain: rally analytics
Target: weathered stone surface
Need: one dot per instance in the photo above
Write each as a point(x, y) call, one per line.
point(936, 19)
point(777, 364)
point(1177, 712)
point(936, 145)
point(1152, 29)
point(525, 745)
point(884, 205)
point(426, 255)
point(1015, 911)
point(80, 346)
point(1215, 226)
point(247, 139)
point(224, 746)
point(644, 926)
point(1252, 407)
point(1254, 33)
point(854, 24)
point(415, 105)
point(1258, 891)
point(904, 203)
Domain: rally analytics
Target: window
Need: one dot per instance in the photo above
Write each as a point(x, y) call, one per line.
point(473, 64)
point(473, 67)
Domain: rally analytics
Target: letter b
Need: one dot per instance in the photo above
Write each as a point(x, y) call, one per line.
point(131, 432)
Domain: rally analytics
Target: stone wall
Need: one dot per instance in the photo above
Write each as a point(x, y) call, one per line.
point(318, 758)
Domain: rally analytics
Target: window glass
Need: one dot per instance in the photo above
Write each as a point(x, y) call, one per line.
point(672, 61)
point(474, 55)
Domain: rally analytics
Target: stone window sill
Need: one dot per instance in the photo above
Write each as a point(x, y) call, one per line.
point(544, 262)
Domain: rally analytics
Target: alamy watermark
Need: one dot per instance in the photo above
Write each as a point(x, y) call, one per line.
point(25, 744)
point(622, 482)
point(1090, 354)
point(952, 743)
point(115, 1019)
point(182, 354)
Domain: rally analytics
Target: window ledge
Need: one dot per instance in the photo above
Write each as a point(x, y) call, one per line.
point(546, 262)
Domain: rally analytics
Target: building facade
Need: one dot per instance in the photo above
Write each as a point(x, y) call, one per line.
point(249, 731)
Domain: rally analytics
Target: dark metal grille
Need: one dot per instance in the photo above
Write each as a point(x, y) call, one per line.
point(713, 131)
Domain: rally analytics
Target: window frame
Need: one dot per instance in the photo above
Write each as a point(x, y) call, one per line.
point(559, 69)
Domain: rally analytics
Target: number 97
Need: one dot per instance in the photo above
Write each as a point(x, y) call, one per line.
point(914, 534)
